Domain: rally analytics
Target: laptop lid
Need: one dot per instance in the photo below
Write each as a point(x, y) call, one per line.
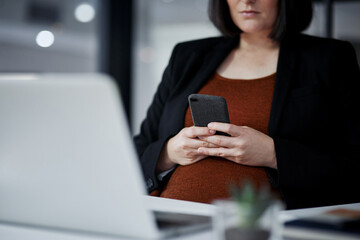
point(66, 156)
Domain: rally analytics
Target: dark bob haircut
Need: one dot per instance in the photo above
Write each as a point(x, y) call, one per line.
point(294, 16)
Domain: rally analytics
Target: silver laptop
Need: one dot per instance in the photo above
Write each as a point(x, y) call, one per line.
point(67, 159)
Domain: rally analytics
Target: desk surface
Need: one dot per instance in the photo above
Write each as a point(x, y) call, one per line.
point(12, 232)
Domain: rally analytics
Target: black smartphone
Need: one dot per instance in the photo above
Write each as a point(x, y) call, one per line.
point(208, 108)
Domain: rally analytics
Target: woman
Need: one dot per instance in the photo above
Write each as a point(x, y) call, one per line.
point(292, 101)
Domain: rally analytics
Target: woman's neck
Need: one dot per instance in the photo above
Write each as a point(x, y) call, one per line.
point(255, 57)
point(257, 42)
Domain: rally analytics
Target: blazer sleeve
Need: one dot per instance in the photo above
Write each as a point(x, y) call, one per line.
point(308, 176)
point(148, 142)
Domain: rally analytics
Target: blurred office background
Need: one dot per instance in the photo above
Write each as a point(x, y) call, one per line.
point(130, 40)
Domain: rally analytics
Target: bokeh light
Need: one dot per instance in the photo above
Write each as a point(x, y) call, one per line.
point(45, 39)
point(84, 12)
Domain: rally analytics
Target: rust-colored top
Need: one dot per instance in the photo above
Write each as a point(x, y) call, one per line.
point(249, 103)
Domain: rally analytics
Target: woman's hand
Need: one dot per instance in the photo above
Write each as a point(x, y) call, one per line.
point(245, 145)
point(183, 148)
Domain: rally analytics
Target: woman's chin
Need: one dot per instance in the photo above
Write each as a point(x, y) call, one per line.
point(255, 30)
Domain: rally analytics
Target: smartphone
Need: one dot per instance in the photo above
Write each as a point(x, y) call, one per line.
point(208, 108)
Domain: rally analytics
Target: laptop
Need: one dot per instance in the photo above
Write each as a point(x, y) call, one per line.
point(67, 161)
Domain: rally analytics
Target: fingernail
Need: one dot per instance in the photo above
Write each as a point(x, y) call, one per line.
point(212, 131)
point(210, 125)
point(200, 151)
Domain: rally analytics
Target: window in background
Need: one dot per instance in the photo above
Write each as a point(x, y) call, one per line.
point(49, 36)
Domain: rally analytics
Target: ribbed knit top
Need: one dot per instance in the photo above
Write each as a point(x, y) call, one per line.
point(249, 103)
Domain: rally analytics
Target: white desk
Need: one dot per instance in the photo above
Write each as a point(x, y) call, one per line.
point(8, 232)
point(11, 232)
point(292, 214)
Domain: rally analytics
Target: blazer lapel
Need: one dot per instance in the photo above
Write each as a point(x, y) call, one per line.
point(285, 74)
point(204, 65)
point(210, 62)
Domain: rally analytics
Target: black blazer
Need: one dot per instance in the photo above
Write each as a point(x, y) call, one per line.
point(313, 120)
